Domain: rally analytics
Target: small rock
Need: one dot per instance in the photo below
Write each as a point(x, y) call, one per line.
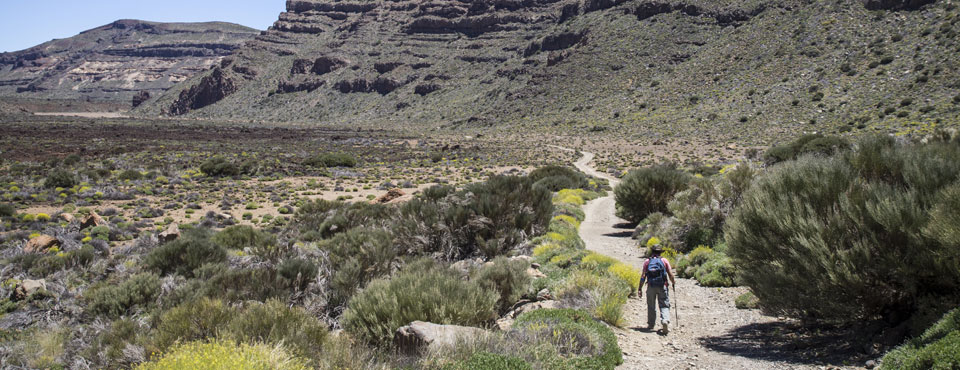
point(26, 288)
point(535, 265)
point(535, 274)
point(40, 244)
point(870, 364)
point(504, 324)
point(67, 217)
point(170, 234)
point(544, 295)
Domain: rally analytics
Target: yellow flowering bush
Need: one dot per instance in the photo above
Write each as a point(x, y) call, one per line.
point(545, 248)
point(626, 273)
point(43, 217)
point(653, 241)
point(568, 219)
point(597, 261)
point(224, 355)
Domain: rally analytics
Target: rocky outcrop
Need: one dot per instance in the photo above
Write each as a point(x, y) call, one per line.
point(211, 89)
point(170, 234)
point(93, 220)
point(116, 62)
point(896, 4)
point(140, 98)
point(419, 335)
point(40, 244)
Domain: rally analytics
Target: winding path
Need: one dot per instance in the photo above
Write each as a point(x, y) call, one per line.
point(712, 332)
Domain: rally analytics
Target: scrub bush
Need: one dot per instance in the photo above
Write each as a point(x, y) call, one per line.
point(357, 257)
point(60, 179)
point(507, 277)
point(331, 160)
point(648, 190)
point(853, 237)
point(937, 348)
point(424, 290)
point(555, 178)
point(139, 291)
point(219, 167)
point(241, 237)
point(225, 355)
point(184, 255)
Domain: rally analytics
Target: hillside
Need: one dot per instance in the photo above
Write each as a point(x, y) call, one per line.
point(736, 68)
point(113, 63)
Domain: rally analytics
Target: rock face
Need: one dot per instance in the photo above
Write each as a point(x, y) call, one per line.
point(419, 334)
point(119, 62)
point(896, 4)
point(40, 244)
point(655, 64)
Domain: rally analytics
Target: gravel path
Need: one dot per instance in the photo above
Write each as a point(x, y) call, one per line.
point(712, 332)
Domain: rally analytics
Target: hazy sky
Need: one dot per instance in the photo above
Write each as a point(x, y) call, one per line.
point(25, 23)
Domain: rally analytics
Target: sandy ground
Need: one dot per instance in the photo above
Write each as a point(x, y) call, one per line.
point(712, 333)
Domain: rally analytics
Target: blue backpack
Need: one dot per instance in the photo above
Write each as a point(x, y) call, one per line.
point(656, 276)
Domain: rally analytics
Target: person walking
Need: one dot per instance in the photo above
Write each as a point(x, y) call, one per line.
point(656, 271)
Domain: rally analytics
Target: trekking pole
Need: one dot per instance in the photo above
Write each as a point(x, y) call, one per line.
point(677, 308)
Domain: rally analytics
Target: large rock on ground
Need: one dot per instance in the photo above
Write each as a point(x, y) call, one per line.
point(93, 220)
point(40, 244)
point(28, 287)
point(419, 335)
point(390, 196)
point(506, 322)
point(170, 234)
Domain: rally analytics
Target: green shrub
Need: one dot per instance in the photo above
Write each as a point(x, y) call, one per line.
point(60, 179)
point(556, 183)
point(937, 348)
point(297, 271)
point(241, 237)
point(507, 277)
point(184, 255)
point(47, 265)
point(131, 175)
point(603, 295)
point(747, 301)
point(560, 174)
point(327, 218)
point(236, 285)
point(109, 346)
point(139, 291)
point(275, 323)
point(648, 190)
point(487, 219)
point(424, 291)
point(195, 320)
point(7, 210)
point(331, 160)
point(490, 361)
point(806, 144)
point(582, 340)
point(842, 239)
point(219, 167)
point(358, 256)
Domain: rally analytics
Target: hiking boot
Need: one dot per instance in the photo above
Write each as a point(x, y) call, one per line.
point(666, 329)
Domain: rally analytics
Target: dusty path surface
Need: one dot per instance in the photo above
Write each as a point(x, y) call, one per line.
point(712, 332)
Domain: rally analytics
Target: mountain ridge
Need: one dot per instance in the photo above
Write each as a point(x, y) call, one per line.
point(115, 62)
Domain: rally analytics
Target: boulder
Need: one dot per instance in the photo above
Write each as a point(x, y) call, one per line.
point(170, 234)
point(506, 322)
point(534, 273)
point(28, 287)
point(67, 217)
point(544, 295)
point(390, 195)
point(40, 244)
point(418, 335)
point(92, 220)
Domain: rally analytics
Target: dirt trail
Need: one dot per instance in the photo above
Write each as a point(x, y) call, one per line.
point(713, 333)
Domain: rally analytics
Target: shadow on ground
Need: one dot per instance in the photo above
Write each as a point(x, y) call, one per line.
point(788, 342)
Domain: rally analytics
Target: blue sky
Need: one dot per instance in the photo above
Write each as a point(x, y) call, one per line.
point(25, 23)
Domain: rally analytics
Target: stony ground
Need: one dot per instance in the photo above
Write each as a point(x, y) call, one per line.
point(710, 332)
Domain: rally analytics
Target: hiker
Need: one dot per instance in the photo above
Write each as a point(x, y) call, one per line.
point(655, 272)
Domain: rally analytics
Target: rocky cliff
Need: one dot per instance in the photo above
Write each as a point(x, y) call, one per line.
point(659, 67)
point(118, 62)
